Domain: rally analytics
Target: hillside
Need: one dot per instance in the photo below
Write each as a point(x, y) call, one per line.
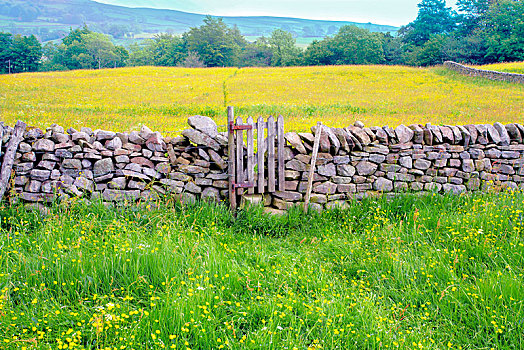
point(162, 98)
point(51, 19)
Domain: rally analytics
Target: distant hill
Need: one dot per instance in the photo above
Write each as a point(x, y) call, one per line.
point(51, 20)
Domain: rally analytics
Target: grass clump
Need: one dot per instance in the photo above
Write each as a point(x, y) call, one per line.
point(428, 272)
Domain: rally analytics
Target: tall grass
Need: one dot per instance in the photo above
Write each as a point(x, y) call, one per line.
point(411, 272)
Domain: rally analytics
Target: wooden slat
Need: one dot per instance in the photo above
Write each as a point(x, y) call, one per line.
point(9, 157)
point(261, 152)
point(1, 137)
point(281, 161)
point(271, 133)
point(313, 166)
point(250, 156)
point(231, 156)
point(240, 156)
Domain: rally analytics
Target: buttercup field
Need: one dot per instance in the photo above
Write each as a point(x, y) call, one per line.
point(163, 98)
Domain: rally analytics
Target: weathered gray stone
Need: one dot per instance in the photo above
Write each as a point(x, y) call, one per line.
point(468, 165)
point(40, 175)
point(377, 158)
point(422, 164)
point(418, 133)
point(406, 162)
point(295, 142)
point(514, 133)
point(503, 134)
point(493, 134)
point(296, 165)
point(80, 136)
point(203, 124)
point(144, 133)
point(346, 170)
point(288, 196)
point(135, 138)
point(72, 164)
point(365, 168)
point(217, 159)
point(482, 135)
point(33, 186)
point(447, 135)
point(200, 138)
point(383, 185)
point(325, 188)
point(103, 167)
point(404, 134)
point(328, 170)
point(156, 143)
point(44, 145)
point(454, 189)
point(118, 183)
point(359, 134)
point(103, 135)
point(84, 184)
point(114, 144)
point(120, 195)
point(192, 187)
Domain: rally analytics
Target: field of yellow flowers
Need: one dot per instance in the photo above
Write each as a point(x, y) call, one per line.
point(515, 67)
point(162, 98)
point(432, 272)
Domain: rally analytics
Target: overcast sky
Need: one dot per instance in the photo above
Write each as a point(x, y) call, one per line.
point(394, 12)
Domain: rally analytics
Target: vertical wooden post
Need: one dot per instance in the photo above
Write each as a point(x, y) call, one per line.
point(240, 156)
point(271, 154)
point(231, 156)
point(9, 157)
point(281, 160)
point(250, 156)
point(313, 165)
point(261, 152)
point(1, 137)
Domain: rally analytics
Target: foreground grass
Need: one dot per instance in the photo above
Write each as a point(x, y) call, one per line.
point(433, 272)
point(162, 98)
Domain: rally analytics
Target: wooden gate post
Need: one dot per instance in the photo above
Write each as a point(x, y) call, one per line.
point(231, 157)
point(9, 156)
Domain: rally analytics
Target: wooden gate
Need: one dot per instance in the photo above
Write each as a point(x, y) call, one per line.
point(249, 170)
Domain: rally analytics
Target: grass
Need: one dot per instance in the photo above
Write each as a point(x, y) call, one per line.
point(124, 99)
point(515, 67)
point(433, 272)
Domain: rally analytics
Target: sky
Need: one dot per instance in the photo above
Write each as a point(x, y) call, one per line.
point(392, 12)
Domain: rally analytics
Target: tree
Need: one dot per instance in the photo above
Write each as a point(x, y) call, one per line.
point(215, 43)
point(504, 31)
point(283, 48)
point(353, 45)
point(167, 50)
point(433, 18)
point(100, 49)
point(19, 53)
point(471, 13)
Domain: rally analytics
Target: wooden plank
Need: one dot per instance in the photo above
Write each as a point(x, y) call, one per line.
point(1, 137)
point(261, 152)
point(231, 156)
point(271, 133)
point(9, 157)
point(281, 160)
point(313, 166)
point(250, 156)
point(240, 155)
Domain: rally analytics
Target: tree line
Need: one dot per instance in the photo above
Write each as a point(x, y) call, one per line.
point(479, 32)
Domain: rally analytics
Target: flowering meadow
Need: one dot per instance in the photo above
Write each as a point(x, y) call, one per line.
point(432, 272)
point(163, 98)
point(515, 67)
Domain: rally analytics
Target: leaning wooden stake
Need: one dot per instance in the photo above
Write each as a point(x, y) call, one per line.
point(9, 157)
point(313, 165)
point(1, 137)
point(231, 156)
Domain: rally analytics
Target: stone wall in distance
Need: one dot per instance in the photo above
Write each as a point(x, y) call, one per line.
point(488, 74)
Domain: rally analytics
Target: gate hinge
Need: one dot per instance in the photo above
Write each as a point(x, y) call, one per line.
point(233, 127)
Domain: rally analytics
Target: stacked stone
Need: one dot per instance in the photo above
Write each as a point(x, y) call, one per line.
point(487, 74)
point(356, 161)
point(353, 162)
point(122, 166)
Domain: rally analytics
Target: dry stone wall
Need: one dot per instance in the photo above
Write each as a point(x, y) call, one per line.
point(488, 74)
point(353, 162)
